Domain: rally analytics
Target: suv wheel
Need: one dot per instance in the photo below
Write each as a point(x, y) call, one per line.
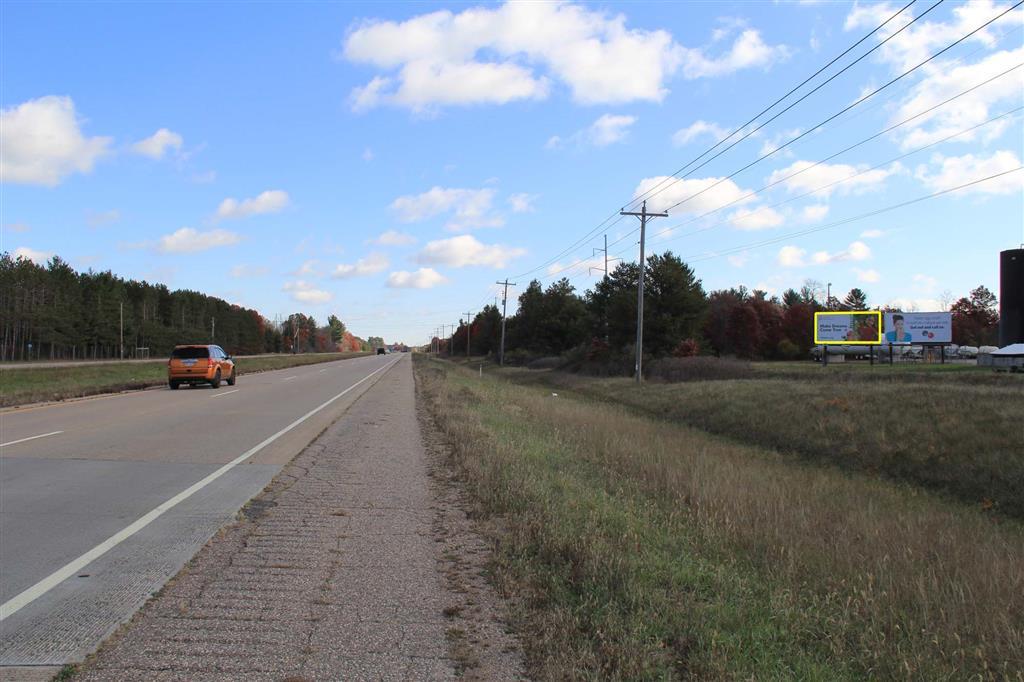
point(216, 380)
point(231, 379)
point(174, 385)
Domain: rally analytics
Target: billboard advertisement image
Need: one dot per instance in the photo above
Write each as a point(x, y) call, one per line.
point(918, 328)
point(860, 327)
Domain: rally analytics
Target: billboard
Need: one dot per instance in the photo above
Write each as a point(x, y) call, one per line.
point(860, 327)
point(918, 328)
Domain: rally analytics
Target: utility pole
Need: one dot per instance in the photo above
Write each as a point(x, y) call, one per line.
point(828, 296)
point(121, 311)
point(469, 328)
point(504, 306)
point(607, 260)
point(643, 215)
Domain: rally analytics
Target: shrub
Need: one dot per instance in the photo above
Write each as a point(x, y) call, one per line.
point(697, 369)
point(549, 362)
point(687, 348)
point(788, 350)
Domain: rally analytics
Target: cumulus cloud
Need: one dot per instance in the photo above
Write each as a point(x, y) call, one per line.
point(521, 203)
point(158, 143)
point(189, 240)
point(469, 208)
point(958, 170)
point(606, 130)
point(37, 257)
point(424, 278)
point(698, 129)
point(815, 212)
point(394, 238)
point(830, 177)
point(699, 195)
point(857, 251)
point(271, 201)
point(372, 264)
point(42, 142)
point(871, 234)
point(518, 50)
point(779, 139)
point(749, 51)
point(307, 268)
point(466, 250)
point(791, 256)
point(868, 276)
point(756, 219)
point(304, 292)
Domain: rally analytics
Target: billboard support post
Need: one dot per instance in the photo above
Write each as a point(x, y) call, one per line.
point(871, 355)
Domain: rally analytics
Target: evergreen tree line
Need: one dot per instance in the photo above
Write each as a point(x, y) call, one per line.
point(680, 318)
point(53, 312)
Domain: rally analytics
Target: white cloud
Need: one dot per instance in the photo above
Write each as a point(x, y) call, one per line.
point(522, 202)
point(515, 51)
point(271, 201)
point(102, 218)
point(871, 234)
point(857, 251)
point(697, 129)
point(307, 268)
point(372, 264)
point(777, 140)
point(748, 51)
point(42, 142)
point(189, 240)
point(465, 250)
point(964, 112)
point(919, 41)
point(808, 177)
point(244, 271)
point(756, 219)
point(913, 305)
point(158, 143)
point(304, 292)
point(791, 256)
point(606, 130)
point(394, 238)
point(670, 191)
point(37, 257)
point(815, 212)
point(739, 260)
point(424, 278)
point(470, 208)
point(958, 170)
point(868, 276)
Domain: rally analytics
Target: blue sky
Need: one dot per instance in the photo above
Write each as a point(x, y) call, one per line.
point(389, 162)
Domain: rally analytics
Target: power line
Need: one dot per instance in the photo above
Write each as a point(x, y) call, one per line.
point(650, 193)
point(614, 218)
point(844, 221)
point(848, 107)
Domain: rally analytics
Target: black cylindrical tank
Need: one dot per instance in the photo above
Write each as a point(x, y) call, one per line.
point(1011, 297)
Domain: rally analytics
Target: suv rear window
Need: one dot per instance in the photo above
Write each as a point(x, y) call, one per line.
point(190, 353)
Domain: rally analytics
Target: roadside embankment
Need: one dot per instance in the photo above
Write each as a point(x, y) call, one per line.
point(645, 548)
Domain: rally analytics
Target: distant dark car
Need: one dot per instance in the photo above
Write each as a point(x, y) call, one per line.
point(382, 351)
point(207, 364)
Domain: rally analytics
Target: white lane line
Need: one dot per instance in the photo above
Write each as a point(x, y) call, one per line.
point(290, 378)
point(22, 440)
point(220, 395)
point(321, 371)
point(13, 605)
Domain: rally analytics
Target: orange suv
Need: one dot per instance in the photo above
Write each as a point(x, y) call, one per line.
point(200, 365)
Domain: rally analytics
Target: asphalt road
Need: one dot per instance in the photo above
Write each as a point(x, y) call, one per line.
point(102, 500)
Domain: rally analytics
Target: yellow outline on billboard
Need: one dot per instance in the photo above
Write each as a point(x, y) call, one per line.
point(877, 342)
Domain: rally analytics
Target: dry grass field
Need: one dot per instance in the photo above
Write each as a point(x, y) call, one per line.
point(643, 547)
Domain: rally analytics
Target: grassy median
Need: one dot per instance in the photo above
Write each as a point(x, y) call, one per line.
point(648, 549)
point(32, 385)
point(955, 431)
